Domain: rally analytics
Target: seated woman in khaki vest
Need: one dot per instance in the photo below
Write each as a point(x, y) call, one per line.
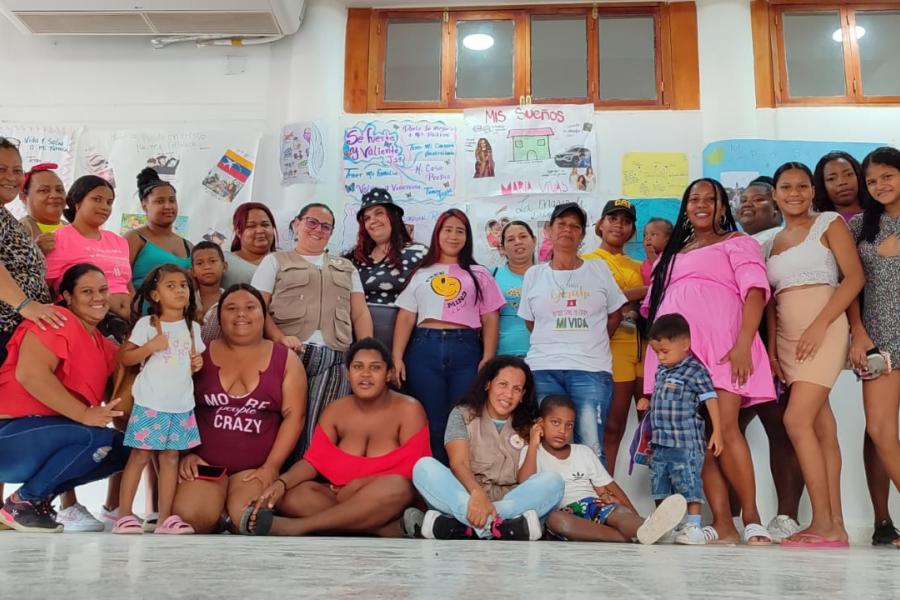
point(364, 448)
point(478, 495)
point(316, 305)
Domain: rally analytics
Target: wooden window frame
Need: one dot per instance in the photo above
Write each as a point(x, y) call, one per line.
point(772, 89)
point(364, 63)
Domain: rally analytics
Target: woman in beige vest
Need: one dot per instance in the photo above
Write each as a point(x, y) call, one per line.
point(478, 495)
point(316, 305)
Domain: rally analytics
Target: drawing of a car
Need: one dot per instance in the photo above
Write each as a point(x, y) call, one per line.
point(574, 157)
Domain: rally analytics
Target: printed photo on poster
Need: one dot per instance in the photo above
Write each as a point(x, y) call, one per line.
point(134, 220)
point(227, 178)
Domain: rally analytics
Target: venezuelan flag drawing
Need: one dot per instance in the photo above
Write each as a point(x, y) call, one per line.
point(236, 165)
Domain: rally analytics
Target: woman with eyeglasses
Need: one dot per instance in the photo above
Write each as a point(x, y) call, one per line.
point(316, 305)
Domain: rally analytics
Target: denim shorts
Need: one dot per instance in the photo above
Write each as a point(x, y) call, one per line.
point(676, 471)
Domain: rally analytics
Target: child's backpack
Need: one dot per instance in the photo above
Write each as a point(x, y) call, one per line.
point(640, 444)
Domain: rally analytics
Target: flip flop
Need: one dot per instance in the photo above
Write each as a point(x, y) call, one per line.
point(662, 520)
point(755, 530)
point(174, 525)
point(811, 540)
point(261, 526)
point(128, 525)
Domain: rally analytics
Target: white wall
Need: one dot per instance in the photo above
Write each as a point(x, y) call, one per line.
point(125, 83)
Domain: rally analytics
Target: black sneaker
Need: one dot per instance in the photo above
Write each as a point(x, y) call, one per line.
point(525, 528)
point(437, 526)
point(29, 516)
point(412, 522)
point(885, 533)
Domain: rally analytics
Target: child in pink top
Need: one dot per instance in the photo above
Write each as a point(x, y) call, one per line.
point(438, 347)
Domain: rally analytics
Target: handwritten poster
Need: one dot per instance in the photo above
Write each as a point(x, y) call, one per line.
point(211, 171)
point(43, 145)
point(413, 160)
point(302, 153)
point(654, 174)
point(489, 215)
point(548, 149)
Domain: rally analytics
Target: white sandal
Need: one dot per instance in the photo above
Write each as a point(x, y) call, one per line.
point(755, 530)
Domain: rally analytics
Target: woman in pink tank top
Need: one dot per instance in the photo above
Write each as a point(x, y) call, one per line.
point(250, 407)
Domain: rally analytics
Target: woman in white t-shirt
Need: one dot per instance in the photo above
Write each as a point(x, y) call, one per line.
point(572, 306)
point(316, 305)
point(448, 301)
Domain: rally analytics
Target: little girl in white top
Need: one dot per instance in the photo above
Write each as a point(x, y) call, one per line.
point(168, 345)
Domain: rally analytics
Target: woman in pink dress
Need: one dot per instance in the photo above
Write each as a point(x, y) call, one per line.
point(716, 278)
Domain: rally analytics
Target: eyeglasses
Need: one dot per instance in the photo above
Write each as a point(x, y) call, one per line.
point(311, 223)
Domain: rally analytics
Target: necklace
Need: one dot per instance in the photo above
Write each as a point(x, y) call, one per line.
point(562, 288)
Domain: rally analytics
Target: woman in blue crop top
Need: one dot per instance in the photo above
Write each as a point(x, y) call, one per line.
point(156, 243)
point(809, 340)
point(517, 242)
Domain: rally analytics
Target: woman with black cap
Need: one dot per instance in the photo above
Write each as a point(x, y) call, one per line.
point(384, 256)
point(156, 243)
point(572, 307)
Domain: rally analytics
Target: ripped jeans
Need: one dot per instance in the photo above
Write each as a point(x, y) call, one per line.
point(51, 455)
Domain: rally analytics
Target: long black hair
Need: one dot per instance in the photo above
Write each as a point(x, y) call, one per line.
point(723, 221)
point(83, 186)
point(793, 166)
point(476, 397)
point(821, 201)
point(466, 258)
point(872, 209)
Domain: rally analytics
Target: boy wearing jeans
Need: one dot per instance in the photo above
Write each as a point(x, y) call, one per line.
point(677, 447)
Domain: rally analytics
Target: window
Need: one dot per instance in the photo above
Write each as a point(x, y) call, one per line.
point(829, 54)
point(617, 57)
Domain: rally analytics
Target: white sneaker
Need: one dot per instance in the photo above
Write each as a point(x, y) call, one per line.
point(782, 527)
point(109, 516)
point(78, 518)
point(690, 535)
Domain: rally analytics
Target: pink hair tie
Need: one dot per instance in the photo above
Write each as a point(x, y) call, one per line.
point(38, 168)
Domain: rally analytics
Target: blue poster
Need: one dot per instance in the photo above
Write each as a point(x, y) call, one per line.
point(762, 157)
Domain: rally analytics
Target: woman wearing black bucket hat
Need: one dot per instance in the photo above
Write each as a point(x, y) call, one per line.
point(384, 255)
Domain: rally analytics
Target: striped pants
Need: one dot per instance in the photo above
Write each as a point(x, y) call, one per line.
point(326, 380)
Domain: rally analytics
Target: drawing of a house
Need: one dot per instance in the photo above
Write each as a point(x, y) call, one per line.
point(531, 144)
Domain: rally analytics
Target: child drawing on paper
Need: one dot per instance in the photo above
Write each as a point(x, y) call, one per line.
point(484, 159)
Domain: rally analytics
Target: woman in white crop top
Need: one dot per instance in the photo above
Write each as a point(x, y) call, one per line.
point(809, 339)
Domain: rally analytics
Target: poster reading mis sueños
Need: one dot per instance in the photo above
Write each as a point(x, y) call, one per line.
point(413, 160)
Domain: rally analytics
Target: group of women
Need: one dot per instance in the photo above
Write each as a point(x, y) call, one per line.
point(283, 387)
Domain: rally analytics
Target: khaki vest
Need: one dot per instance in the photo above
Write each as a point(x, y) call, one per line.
point(306, 299)
point(493, 456)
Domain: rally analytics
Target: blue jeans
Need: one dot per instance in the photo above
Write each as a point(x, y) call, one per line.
point(440, 366)
point(676, 471)
point(51, 455)
point(444, 493)
point(592, 394)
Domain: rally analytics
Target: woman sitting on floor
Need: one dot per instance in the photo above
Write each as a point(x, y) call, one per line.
point(364, 448)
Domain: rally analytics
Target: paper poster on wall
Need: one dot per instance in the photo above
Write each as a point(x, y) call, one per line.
point(736, 162)
point(212, 171)
point(413, 160)
point(537, 149)
point(654, 174)
point(43, 145)
point(648, 208)
point(131, 221)
point(489, 215)
point(418, 217)
point(302, 153)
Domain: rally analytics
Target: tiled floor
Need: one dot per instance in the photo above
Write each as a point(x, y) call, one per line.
point(100, 566)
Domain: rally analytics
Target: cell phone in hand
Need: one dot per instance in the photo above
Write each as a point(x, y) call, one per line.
point(210, 473)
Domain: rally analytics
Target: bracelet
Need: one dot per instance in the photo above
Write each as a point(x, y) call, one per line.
point(23, 304)
point(284, 483)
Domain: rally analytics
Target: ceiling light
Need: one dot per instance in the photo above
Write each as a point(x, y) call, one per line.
point(838, 34)
point(478, 41)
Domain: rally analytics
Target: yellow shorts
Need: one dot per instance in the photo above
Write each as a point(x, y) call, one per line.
point(627, 363)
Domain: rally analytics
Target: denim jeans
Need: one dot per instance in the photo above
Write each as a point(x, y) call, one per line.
point(444, 493)
point(676, 471)
point(440, 366)
point(51, 455)
point(592, 394)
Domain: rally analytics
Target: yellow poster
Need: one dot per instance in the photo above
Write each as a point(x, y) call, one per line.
point(654, 174)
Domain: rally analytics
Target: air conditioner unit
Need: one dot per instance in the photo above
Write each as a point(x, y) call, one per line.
point(173, 19)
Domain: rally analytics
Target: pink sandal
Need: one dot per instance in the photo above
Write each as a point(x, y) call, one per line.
point(174, 525)
point(128, 525)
